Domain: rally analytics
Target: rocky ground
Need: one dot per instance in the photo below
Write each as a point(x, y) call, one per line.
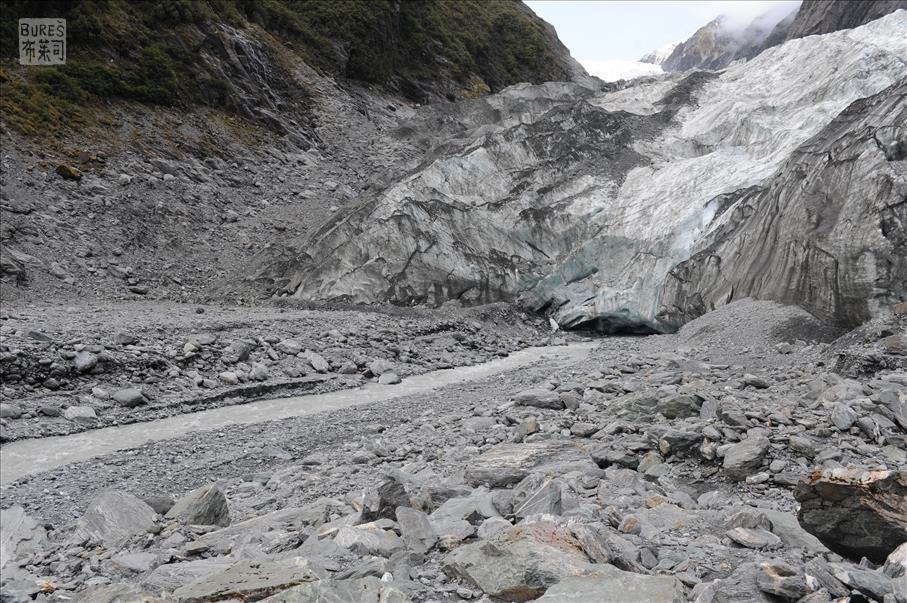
point(67, 369)
point(663, 468)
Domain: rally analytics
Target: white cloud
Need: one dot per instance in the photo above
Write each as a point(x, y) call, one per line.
point(740, 13)
point(616, 69)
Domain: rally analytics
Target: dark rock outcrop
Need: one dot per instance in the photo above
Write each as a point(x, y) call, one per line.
point(825, 16)
point(855, 512)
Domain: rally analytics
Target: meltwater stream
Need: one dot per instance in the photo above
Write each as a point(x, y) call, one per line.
point(27, 457)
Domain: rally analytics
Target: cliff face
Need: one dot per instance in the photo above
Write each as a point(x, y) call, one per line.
point(825, 16)
point(582, 203)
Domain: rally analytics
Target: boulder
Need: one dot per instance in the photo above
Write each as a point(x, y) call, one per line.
point(507, 464)
point(780, 579)
point(753, 538)
point(855, 512)
point(368, 539)
point(745, 458)
point(203, 506)
point(250, 581)
point(81, 415)
point(113, 518)
point(611, 585)
point(85, 361)
point(521, 562)
point(19, 534)
point(416, 530)
point(680, 406)
point(539, 398)
point(362, 590)
point(129, 397)
point(389, 379)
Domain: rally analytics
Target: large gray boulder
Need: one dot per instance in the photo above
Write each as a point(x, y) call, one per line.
point(113, 518)
point(203, 506)
point(19, 534)
point(519, 563)
point(745, 458)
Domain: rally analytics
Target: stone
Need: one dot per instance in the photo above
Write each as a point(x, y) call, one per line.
point(539, 398)
point(259, 372)
point(129, 397)
point(611, 585)
point(68, 172)
point(171, 576)
point(251, 581)
point(537, 495)
point(780, 579)
point(416, 530)
point(289, 346)
point(228, 378)
point(756, 382)
point(362, 590)
point(126, 339)
point(367, 539)
point(113, 518)
point(81, 415)
point(873, 583)
point(678, 442)
point(680, 406)
point(389, 379)
point(206, 505)
point(507, 464)
point(749, 519)
point(10, 411)
point(161, 503)
point(843, 416)
point(753, 538)
point(318, 362)
point(19, 535)
point(137, 563)
point(519, 563)
point(855, 512)
point(84, 361)
point(744, 458)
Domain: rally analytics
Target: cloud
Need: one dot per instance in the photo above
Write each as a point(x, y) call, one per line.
point(616, 69)
point(741, 13)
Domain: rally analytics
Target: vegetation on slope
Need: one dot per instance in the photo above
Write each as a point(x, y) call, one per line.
point(147, 51)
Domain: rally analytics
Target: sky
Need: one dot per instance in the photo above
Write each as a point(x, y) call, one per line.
point(626, 30)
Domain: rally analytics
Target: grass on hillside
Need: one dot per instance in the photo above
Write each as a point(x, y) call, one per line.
point(138, 50)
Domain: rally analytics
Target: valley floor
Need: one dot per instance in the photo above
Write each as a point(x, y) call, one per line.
point(674, 458)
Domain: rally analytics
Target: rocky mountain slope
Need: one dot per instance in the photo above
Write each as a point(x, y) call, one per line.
point(722, 41)
point(816, 17)
point(237, 55)
point(582, 203)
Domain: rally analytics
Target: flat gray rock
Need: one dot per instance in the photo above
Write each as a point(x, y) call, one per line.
point(250, 581)
point(611, 585)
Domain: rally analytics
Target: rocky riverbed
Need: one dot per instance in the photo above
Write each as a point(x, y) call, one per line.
point(67, 369)
point(728, 462)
